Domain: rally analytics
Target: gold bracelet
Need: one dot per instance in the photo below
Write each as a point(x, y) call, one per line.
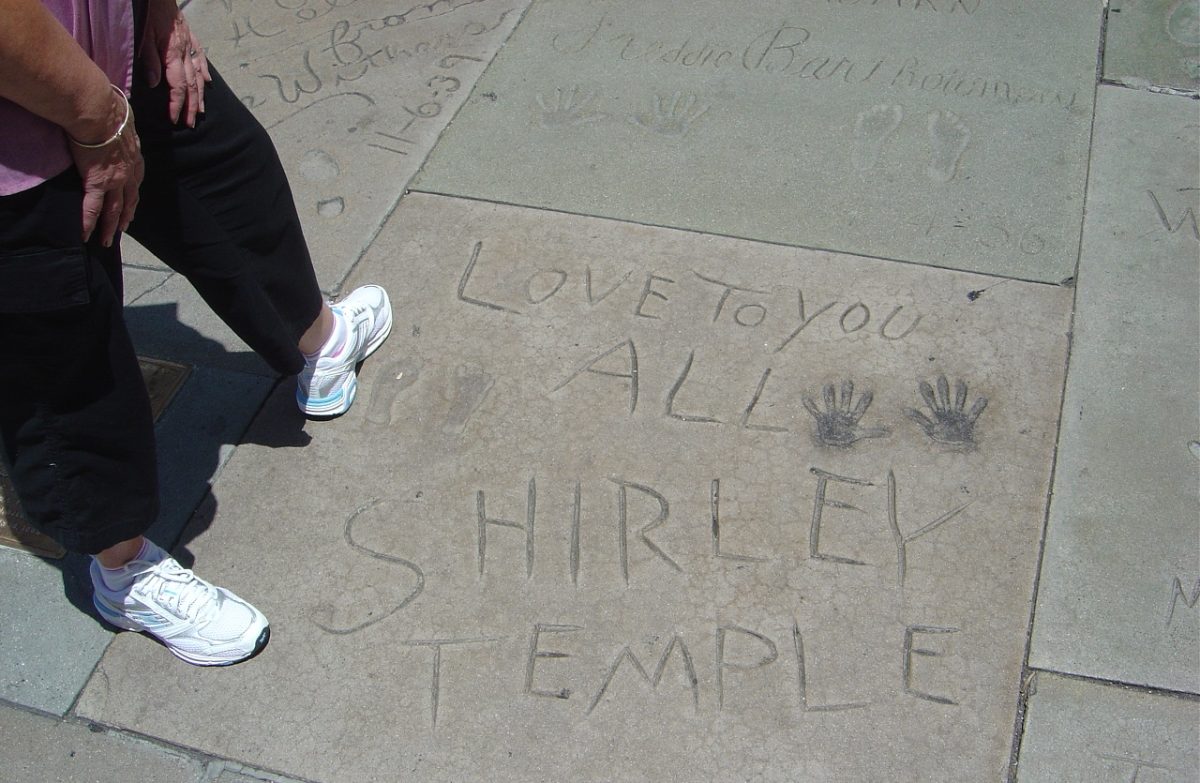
point(121, 129)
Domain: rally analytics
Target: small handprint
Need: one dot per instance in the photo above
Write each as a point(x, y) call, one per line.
point(575, 106)
point(838, 425)
point(672, 116)
point(951, 422)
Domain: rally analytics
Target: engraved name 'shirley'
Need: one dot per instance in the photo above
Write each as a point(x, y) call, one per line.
point(861, 529)
point(795, 52)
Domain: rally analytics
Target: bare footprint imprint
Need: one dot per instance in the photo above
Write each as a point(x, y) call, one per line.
point(318, 166)
point(470, 388)
point(391, 379)
point(1183, 23)
point(872, 127)
point(949, 137)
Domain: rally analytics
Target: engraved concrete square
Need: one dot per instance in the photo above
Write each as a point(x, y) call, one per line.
point(1082, 732)
point(630, 503)
point(1121, 573)
point(1153, 42)
point(354, 95)
point(948, 132)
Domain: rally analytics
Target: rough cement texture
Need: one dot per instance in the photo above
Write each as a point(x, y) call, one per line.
point(1122, 563)
point(1079, 731)
point(948, 133)
point(1153, 42)
point(354, 95)
point(38, 749)
point(608, 487)
point(40, 669)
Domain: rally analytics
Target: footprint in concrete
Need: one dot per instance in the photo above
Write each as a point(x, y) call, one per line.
point(471, 387)
point(391, 379)
point(949, 137)
point(1183, 22)
point(872, 127)
point(320, 167)
point(331, 207)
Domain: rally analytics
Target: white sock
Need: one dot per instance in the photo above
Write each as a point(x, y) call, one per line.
point(117, 579)
point(335, 343)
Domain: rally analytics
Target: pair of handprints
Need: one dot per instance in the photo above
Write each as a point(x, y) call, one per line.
point(947, 420)
point(666, 115)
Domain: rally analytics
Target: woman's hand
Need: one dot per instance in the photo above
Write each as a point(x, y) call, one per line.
point(111, 176)
point(171, 49)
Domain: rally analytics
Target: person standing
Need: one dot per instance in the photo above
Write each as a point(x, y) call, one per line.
point(113, 121)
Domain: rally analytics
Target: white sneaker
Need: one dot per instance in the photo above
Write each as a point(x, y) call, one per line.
point(327, 385)
point(198, 622)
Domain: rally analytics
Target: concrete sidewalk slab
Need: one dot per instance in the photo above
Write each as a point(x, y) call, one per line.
point(1079, 731)
point(1121, 572)
point(952, 133)
point(171, 321)
point(354, 95)
point(609, 486)
point(38, 749)
point(1153, 43)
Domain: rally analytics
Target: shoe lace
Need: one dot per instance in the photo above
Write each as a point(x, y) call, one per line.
point(181, 592)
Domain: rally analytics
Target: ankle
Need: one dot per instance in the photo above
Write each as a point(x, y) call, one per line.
point(118, 555)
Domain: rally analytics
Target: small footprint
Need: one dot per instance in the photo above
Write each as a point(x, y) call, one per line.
point(1183, 23)
point(949, 138)
point(872, 127)
point(331, 207)
point(391, 379)
point(319, 166)
point(471, 387)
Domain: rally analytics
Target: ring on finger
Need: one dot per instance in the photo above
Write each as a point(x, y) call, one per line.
point(193, 52)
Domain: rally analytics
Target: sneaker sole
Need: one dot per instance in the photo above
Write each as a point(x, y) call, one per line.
point(340, 401)
point(122, 622)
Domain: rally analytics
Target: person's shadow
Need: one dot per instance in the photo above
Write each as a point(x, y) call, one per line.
point(216, 406)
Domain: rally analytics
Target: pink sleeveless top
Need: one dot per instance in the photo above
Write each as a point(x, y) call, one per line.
point(32, 150)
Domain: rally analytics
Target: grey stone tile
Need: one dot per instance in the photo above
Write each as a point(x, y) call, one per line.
point(1079, 731)
point(196, 436)
point(38, 749)
point(648, 579)
point(951, 133)
point(225, 772)
point(139, 282)
point(354, 95)
point(133, 254)
point(51, 640)
point(1153, 42)
point(1118, 590)
point(172, 322)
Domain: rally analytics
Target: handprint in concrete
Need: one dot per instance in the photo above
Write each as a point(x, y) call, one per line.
point(673, 116)
point(950, 421)
point(838, 424)
point(575, 106)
